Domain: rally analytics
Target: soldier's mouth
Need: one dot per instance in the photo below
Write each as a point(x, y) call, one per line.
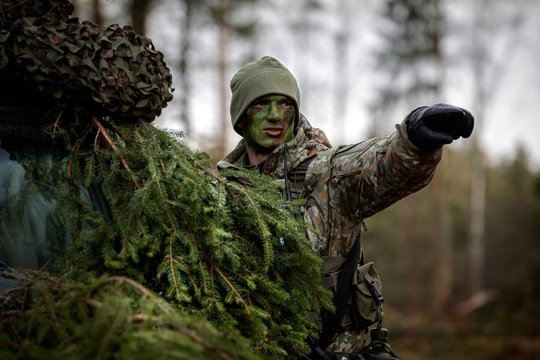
point(273, 131)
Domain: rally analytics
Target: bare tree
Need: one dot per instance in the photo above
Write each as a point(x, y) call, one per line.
point(488, 71)
point(222, 14)
point(412, 65)
point(342, 42)
point(302, 28)
point(409, 61)
point(184, 65)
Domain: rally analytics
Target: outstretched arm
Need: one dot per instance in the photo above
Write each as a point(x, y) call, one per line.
point(367, 177)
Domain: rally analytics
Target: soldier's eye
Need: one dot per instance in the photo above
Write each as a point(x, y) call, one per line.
point(287, 104)
point(260, 103)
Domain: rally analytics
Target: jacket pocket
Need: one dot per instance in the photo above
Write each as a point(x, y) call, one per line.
point(366, 296)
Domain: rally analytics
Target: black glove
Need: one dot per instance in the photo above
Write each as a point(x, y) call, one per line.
point(431, 127)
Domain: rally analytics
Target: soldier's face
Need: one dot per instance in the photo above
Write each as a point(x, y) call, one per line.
point(269, 122)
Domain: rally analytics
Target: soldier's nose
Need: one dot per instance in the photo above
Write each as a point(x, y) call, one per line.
point(274, 112)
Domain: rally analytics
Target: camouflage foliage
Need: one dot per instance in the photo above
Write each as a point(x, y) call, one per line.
point(12, 10)
point(104, 71)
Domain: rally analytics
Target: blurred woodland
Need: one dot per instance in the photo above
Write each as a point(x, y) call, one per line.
point(460, 260)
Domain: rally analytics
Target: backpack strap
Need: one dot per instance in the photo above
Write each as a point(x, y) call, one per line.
point(295, 179)
point(331, 321)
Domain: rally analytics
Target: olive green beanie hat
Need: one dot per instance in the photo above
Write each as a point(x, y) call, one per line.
point(264, 77)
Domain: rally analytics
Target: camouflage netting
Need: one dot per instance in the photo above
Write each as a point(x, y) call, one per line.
point(12, 10)
point(107, 72)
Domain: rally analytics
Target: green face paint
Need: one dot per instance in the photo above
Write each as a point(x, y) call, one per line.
point(269, 123)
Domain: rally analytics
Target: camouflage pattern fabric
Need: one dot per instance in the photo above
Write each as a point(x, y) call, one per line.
point(348, 342)
point(345, 185)
point(350, 183)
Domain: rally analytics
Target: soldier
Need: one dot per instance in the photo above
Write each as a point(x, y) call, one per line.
point(342, 185)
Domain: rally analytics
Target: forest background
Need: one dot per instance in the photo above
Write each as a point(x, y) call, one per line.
point(460, 260)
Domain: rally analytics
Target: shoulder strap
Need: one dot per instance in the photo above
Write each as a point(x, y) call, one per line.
point(296, 178)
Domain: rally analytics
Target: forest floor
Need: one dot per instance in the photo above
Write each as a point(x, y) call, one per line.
point(500, 331)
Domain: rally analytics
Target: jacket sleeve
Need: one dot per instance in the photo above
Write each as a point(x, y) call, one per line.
point(362, 179)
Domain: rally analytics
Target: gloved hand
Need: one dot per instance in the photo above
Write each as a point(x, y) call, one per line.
point(433, 126)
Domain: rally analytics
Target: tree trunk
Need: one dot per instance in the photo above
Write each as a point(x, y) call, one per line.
point(185, 86)
point(139, 13)
point(443, 239)
point(486, 85)
point(342, 40)
point(413, 267)
point(97, 14)
point(478, 176)
point(223, 61)
point(477, 223)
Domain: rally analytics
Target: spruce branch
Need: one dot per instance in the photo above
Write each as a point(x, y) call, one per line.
point(173, 272)
point(113, 328)
point(52, 312)
point(105, 134)
point(267, 247)
point(211, 246)
point(232, 288)
point(163, 198)
point(113, 322)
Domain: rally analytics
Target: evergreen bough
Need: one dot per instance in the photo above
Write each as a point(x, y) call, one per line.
point(222, 247)
point(104, 318)
point(179, 261)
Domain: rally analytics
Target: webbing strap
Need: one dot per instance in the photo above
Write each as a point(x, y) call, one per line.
point(331, 322)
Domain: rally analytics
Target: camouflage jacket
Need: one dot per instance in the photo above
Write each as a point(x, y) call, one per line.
point(346, 184)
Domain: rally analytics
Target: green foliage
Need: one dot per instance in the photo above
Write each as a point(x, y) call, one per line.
point(104, 318)
point(222, 250)
point(512, 230)
point(219, 247)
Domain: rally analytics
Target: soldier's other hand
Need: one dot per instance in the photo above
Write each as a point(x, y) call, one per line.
point(431, 127)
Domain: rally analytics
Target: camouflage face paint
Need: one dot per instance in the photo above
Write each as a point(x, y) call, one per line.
point(269, 123)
